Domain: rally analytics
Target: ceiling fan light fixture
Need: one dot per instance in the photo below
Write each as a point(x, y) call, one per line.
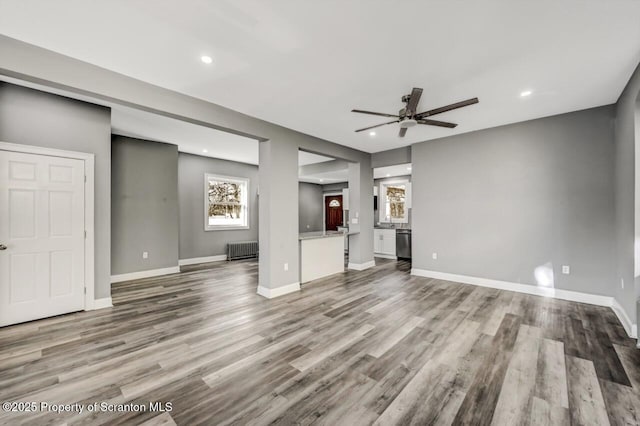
point(405, 124)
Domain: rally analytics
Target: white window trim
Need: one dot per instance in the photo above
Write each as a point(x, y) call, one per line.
point(382, 197)
point(213, 176)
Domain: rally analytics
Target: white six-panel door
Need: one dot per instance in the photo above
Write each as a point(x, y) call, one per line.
point(42, 257)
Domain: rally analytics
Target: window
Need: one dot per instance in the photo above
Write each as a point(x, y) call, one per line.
point(394, 202)
point(334, 203)
point(226, 203)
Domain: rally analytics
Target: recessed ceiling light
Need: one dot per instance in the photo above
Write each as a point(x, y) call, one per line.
point(205, 151)
point(372, 133)
point(321, 180)
point(388, 175)
point(206, 59)
point(525, 93)
point(409, 168)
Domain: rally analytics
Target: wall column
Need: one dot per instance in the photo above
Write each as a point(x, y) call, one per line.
point(278, 218)
point(361, 215)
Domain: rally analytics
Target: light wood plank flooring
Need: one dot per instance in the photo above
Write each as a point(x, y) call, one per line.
point(371, 347)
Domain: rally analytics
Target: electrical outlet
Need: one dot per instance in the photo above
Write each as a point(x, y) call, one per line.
point(434, 256)
point(622, 283)
point(354, 220)
point(566, 269)
point(145, 254)
point(286, 266)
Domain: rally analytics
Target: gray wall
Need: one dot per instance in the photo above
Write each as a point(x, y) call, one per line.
point(310, 207)
point(335, 187)
point(32, 117)
point(626, 188)
point(499, 203)
point(194, 240)
point(391, 157)
point(144, 205)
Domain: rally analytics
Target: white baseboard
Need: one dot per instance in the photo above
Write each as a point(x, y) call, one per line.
point(629, 326)
point(144, 274)
point(270, 293)
point(385, 256)
point(206, 259)
point(574, 296)
point(105, 302)
point(361, 266)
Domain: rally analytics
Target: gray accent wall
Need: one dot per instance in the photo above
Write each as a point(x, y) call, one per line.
point(627, 187)
point(506, 202)
point(335, 187)
point(194, 240)
point(32, 117)
point(391, 157)
point(144, 205)
point(310, 207)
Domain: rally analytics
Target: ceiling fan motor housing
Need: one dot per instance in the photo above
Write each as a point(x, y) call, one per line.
point(405, 124)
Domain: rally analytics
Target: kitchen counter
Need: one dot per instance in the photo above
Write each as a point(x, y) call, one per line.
point(321, 254)
point(320, 234)
point(323, 234)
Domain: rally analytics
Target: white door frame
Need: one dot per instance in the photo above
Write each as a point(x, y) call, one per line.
point(89, 164)
point(324, 212)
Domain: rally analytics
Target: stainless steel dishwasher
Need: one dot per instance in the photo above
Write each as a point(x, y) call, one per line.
point(403, 243)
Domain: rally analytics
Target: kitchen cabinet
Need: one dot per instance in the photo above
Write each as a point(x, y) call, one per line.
point(384, 241)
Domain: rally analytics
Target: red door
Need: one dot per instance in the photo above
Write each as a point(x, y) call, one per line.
point(333, 212)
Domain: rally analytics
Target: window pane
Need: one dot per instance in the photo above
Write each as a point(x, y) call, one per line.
point(226, 202)
point(395, 199)
point(225, 192)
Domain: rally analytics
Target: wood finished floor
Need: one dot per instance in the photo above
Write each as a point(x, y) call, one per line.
point(370, 347)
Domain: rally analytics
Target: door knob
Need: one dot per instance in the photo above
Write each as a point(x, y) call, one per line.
point(3, 247)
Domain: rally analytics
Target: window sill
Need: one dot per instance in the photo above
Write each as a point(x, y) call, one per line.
point(226, 228)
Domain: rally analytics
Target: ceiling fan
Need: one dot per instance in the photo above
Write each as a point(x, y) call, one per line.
point(407, 116)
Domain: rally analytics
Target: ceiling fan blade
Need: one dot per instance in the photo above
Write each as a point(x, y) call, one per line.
point(403, 131)
point(377, 125)
point(381, 114)
point(437, 123)
point(414, 98)
point(447, 108)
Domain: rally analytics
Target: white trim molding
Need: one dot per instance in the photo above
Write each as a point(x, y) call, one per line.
point(206, 259)
point(361, 266)
point(105, 302)
point(574, 296)
point(144, 274)
point(270, 293)
point(385, 256)
point(629, 326)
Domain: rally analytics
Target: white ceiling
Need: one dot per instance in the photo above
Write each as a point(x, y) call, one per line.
point(392, 171)
point(306, 67)
point(335, 176)
point(190, 138)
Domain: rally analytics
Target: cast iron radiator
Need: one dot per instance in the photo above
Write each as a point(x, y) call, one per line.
point(242, 250)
